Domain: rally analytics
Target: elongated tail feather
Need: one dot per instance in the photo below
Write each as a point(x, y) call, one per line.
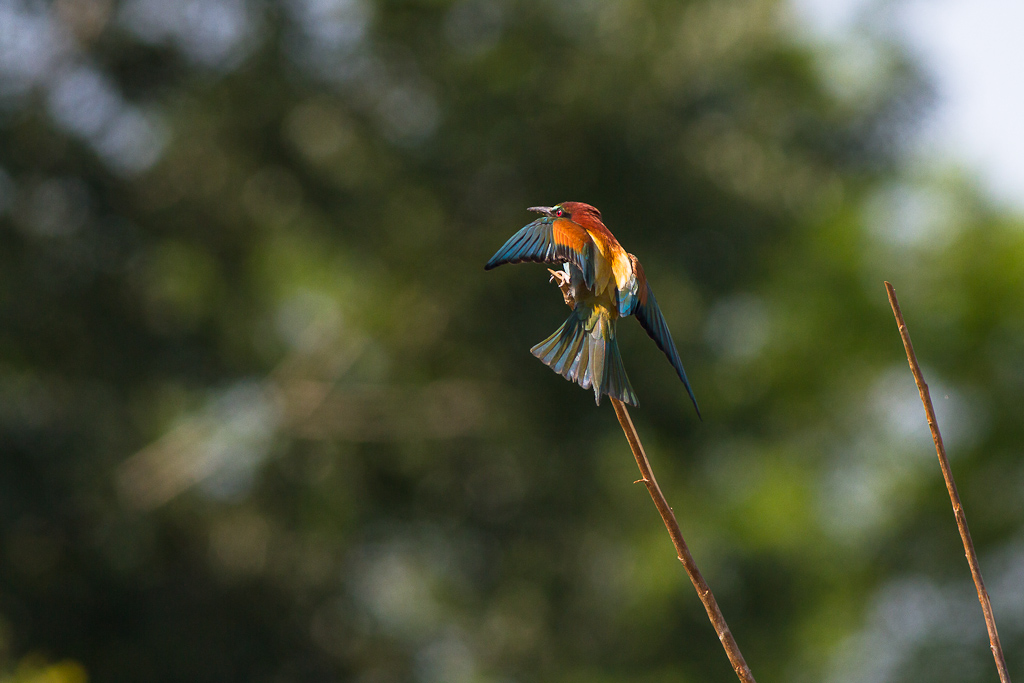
point(588, 357)
point(615, 380)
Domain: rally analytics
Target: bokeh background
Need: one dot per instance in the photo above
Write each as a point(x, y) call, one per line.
point(263, 416)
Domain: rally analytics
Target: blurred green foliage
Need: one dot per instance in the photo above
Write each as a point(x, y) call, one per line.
point(35, 669)
point(263, 417)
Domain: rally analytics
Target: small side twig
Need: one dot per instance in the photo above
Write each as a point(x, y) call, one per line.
point(732, 650)
point(954, 497)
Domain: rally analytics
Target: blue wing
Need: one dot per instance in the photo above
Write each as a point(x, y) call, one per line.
point(549, 240)
point(647, 312)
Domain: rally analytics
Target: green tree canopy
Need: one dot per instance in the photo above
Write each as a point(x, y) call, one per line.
point(263, 417)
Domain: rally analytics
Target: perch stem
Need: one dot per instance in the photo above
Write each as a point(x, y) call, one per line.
point(954, 496)
point(732, 650)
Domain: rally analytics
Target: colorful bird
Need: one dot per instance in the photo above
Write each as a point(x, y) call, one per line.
point(602, 282)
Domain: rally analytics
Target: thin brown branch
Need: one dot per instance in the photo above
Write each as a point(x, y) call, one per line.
point(732, 650)
point(954, 497)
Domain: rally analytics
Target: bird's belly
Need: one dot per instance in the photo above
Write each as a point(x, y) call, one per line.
point(597, 305)
point(604, 279)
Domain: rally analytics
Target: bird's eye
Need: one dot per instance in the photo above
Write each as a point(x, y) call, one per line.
point(559, 213)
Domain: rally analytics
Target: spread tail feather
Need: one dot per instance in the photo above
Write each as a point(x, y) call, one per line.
point(588, 357)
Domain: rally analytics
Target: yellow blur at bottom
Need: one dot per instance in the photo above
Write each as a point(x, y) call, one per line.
point(35, 669)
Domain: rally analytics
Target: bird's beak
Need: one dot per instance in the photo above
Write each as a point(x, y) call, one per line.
point(548, 211)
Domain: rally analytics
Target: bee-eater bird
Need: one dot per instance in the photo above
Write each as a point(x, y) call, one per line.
point(602, 282)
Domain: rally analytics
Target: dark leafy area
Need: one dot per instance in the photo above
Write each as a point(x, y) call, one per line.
point(263, 416)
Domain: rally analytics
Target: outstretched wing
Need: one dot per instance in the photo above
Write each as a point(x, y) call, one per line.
point(653, 322)
point(549, 240)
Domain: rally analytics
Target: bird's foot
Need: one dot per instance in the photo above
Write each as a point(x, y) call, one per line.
point(561, 278)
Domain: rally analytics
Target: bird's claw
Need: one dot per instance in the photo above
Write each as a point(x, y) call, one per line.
point(560, 275)
point(561, 278)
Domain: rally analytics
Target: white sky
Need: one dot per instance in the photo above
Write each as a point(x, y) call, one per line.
point(974, 51)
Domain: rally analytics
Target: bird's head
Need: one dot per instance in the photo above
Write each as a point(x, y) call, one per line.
point(578, 212)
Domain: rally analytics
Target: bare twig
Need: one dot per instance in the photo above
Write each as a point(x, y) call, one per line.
point(954, 497)
point(739, 665)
